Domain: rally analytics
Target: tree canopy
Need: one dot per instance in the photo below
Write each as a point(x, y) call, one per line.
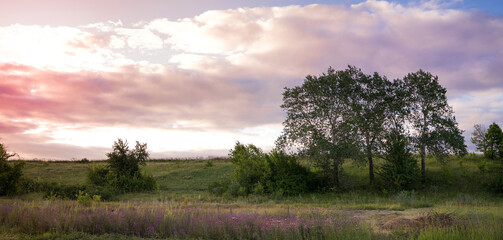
point(432, 119)
point(347, 113)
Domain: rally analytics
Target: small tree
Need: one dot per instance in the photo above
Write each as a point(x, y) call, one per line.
point(127, 162)
point(479, 137)
point(251, 167)
point(494, 142)
point(123, 170)
point(9, 175)
point(400, 170)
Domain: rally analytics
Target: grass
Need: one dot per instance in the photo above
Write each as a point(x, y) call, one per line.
point(455, 188)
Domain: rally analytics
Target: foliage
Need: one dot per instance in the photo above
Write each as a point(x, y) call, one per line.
point(85, 199)
point(260, 173)
point(288, 177)
point(123, 170)
point(369, 103)
point(432, 118)
point(209, 163)
point(10, 176)
point(317, 119)
point(251, 166)
point(98, 175)
point(400, 170)
point(127, 162)
point(136, 183)
point(494, 142)
point(479, 137)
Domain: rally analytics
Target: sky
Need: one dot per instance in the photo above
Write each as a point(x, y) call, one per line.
point(190, 78)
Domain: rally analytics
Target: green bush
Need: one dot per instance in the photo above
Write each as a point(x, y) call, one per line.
point(137, 183)
point(10, 176)
point(287, 175)
point(219, 187)
point(54, 190)
point(126, 162)
point(122, 172)
point(399, 170)
point(260, 173)
point(98, 175)
point(251, 166)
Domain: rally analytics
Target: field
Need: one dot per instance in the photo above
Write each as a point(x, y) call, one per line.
point(453, 205)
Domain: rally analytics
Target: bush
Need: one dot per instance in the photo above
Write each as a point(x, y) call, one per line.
point(122, 172)
point(127, 162)
point(260, 173)
point(98, 175)
point(54, 190)
point(287, 175)
point(10, 176)
point(399, 170)
point(139, 182)
point(219, 187)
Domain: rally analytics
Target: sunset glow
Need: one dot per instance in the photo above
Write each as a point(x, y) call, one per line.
point(190, 82)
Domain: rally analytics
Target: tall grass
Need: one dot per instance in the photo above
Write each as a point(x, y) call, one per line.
point(175, 221)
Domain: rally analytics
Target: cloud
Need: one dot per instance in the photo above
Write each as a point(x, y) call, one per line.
point(461, 47)
point(222, 73)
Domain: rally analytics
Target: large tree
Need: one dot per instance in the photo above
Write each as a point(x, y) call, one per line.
point(317, 119)
point(436, 129)
point(369, 102)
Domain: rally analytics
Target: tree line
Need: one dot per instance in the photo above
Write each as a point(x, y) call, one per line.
point(349, 114)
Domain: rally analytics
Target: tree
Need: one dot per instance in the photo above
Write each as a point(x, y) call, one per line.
point(399, 170)
point(317, 120)
point(494, 142)
point(368, 100)
point(432, 118)
point(479, 137)
point(127, 162)
point(123, 169)
point(9, 175)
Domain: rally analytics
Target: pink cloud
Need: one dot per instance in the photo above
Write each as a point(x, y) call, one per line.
point(225, 70)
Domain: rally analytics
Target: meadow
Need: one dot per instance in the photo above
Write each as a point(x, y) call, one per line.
point(454, 204)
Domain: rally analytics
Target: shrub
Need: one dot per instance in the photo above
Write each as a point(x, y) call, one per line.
point(97, 175)
point(122, 172)
point(251, 166)
point(54, 190)
point(209, 163)
point(219, 187)
point(127, 162)
point(137, 183)
point(399, 170)
point(287, 175)
point(260, 173)
point(9, 175)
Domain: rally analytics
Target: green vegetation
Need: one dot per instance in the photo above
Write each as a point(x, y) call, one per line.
point(9, 175)
point(122, 172)
point(456, 188)
point(265, 173)
point(348, 114)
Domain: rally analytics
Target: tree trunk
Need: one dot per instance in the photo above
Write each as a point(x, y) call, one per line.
point(336, 173)
point(423, 164)
point(371, 165)
point(423, 149)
